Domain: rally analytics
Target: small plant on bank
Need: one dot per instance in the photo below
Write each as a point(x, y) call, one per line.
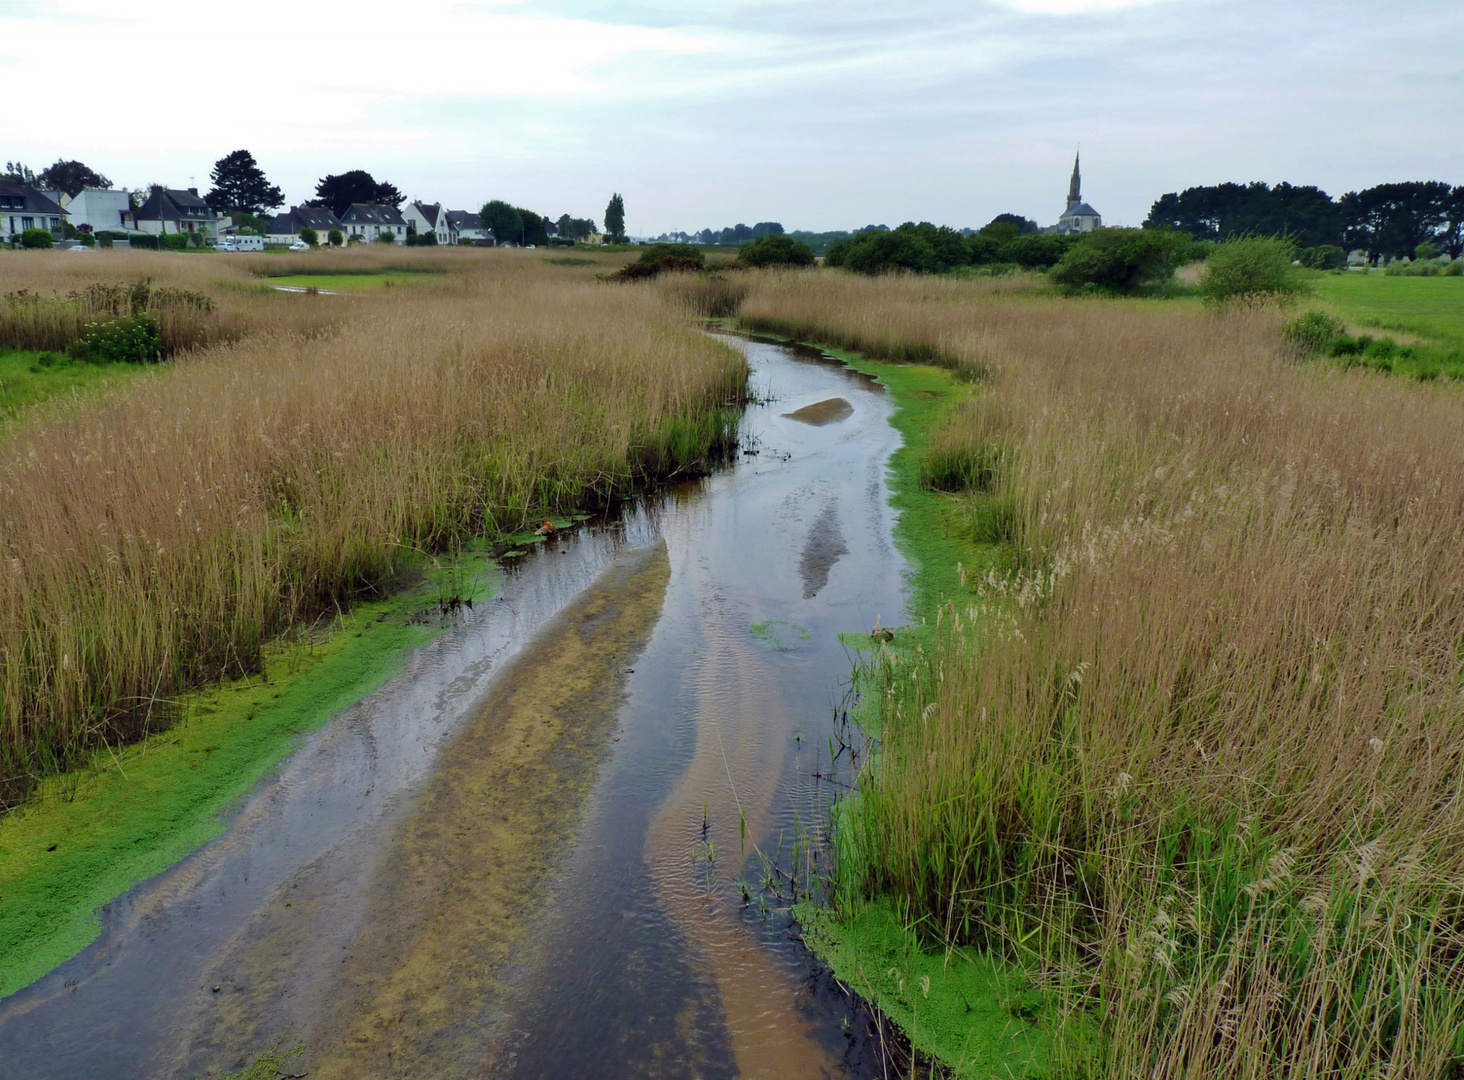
point(1253, 268)
point(1312, 332)
point(133, 339)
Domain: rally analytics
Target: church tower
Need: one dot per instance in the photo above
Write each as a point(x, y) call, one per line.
point(1079, 217)
point(1075, 187)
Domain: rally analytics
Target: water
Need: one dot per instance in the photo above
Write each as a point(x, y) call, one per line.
point(347, 906)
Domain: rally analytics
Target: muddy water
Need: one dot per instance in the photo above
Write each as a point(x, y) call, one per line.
point(540, 851)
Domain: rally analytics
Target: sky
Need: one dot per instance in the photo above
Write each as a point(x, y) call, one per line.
point(828, 115)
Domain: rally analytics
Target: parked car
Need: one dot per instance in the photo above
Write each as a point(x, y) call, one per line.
point(299, 245)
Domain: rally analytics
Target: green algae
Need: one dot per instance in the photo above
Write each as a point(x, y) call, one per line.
point(94, 833)
point(780, 634)
point(975, 1015)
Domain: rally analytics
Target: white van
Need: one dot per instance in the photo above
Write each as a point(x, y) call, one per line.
point(246, 243)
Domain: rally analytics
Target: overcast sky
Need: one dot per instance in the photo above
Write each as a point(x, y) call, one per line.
point(821, 115)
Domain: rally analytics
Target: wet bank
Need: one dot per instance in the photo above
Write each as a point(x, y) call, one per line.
point(374, 903)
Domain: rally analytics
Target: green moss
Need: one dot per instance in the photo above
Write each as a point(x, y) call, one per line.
point(979, 1018)
point(95, 833)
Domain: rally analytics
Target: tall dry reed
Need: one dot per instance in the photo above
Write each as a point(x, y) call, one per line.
point(157, 539)
point(1198, 760)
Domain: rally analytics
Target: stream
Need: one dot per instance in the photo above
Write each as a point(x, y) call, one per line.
point(564, 840)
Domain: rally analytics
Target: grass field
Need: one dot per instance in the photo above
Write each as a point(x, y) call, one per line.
point(28, 378)
point(1428, 307)
point(346, 282)
point(1187, 754)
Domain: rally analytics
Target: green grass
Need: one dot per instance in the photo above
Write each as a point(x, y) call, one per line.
point(1428, 307)
point(29, 378)
point(96, 832)
point(572, 260)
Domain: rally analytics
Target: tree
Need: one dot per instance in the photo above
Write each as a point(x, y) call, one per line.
point(574, 228)
point(1121, 260)
point(1017, 221)
point(1393, 219)
point(767, 228)
point(240, 184)
point(335, 238)
point(532, 231)
point(71, 177)
point(310, 236)
point(774, 249)
point(1221, 211)
point(14, 170)
point(337, 193)
point(502, 220)
point(615, 219)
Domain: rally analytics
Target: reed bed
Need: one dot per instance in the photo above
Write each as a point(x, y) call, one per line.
point(155, 540)
point(1195, 760)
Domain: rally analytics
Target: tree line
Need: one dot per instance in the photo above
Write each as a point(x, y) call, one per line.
point(1387, 221)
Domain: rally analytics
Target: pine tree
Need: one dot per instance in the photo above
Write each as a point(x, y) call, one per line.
point(615, 219)
point(240, 184)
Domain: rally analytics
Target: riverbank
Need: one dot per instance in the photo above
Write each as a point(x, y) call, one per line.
point(1177, 757)
point(973, 1014)
point(92, 833)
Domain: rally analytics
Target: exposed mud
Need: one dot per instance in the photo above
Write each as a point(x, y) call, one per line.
point(829, 411)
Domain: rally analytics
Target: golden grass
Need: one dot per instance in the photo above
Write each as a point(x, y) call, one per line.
point(1198, 760)
point(157, 538)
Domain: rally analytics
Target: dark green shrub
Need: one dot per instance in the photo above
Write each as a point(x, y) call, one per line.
point(385, 238)
point(37, 238)
point(335, 238)
point(310, 236)
point(1037, 251)
point(776, 251)
point(880, 252)
point(143, 240)
point(657, 252)
point(1312, 332)
point(175, 241)
point(1123, 261)
point(133, 339)
point(984, 249)
point(660, 259)
point(1323, 257)
point(1455, 268)
point(1252, 268)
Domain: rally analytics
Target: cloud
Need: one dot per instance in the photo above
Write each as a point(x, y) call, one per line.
point(1074, 7)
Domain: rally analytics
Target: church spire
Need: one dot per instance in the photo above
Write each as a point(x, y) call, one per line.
point(1075, 188)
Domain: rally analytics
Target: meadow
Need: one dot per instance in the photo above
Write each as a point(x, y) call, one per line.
point(297, 453)
point(1184, 744)
point(1427, 307)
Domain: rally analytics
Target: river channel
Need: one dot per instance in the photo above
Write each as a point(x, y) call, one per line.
point(544, 849)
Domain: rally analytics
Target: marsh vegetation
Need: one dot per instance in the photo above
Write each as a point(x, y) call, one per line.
point(1185, 747)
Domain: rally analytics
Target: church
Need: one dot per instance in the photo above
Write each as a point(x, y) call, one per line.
point(1079, 217)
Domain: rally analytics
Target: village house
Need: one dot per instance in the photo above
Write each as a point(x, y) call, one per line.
point(468, 228)
point(23, 207)
point(285, 228)
point(167, 210)
point(99, 209)
point(423, 218)
point(368, 221)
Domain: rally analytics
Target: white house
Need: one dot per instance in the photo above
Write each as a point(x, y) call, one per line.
point(1079, 217)
point(468, 228)
point(425, 218)
point(23, 207)
point(167, 210)
point(368, 221)
point(99, 209)
point(285, 228)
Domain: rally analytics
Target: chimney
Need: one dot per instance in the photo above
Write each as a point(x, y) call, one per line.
point(193, 191)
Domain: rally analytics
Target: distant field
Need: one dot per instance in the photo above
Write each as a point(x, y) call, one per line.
point(1430, 307)
point(28, 378)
